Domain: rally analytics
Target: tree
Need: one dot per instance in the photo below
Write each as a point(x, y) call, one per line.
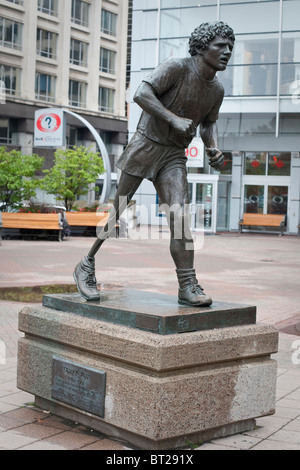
point(73, 172)
point(18, 179)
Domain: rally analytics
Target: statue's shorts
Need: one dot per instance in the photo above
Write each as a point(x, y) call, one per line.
point(147, 159)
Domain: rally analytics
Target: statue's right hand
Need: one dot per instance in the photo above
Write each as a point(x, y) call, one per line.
point(186, 127)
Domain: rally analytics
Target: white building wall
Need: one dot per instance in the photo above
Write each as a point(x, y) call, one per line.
point(160, 33)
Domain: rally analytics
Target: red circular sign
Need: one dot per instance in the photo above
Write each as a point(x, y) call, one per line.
point(48, 122)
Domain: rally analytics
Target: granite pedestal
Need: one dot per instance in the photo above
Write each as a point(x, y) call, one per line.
point(137, 366)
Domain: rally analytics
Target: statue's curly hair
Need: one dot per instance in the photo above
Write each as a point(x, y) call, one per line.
point(206, 32)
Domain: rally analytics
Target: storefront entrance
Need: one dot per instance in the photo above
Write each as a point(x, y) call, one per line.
point(209, 202)
point(265, 199)
point(266, 183)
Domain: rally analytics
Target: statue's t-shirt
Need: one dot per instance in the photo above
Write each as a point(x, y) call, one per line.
point(181, 89)
point(156, 147)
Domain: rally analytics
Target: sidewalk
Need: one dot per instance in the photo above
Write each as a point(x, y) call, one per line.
point(252, 269)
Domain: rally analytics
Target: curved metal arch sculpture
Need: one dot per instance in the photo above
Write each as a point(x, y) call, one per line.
point(104, 154)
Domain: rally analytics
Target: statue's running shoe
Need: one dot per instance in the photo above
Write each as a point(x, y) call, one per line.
point(85, 279)
point(190, 292)
point(194, 296)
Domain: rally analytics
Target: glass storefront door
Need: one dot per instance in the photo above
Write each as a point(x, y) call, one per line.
point(254, 199)
point(278, 200)
point(266, 182)
point(266, 199)
point(203, 205)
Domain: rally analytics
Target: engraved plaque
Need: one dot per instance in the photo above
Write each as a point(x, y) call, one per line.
point(77, 385)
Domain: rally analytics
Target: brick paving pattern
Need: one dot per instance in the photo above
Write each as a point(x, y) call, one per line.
point(260, 270)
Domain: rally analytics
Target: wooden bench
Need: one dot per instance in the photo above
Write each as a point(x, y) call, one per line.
point(42, 225)
point(264, 220)
point(90, 220)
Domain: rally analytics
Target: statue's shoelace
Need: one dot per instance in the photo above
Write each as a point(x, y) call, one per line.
point(197, 289)
point(91, 280)
point(90, 274)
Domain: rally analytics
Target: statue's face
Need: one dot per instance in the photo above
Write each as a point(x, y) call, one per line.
point(218, 53)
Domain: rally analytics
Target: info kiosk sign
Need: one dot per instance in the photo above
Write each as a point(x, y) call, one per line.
point(49, 128)
point(50, 131)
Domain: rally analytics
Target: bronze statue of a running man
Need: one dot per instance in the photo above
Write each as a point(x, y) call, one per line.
point(179, 96)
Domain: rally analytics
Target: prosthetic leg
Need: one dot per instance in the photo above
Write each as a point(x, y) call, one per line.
point(172, 189)
point(84, 273)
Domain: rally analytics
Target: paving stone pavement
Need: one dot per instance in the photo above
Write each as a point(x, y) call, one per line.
point(260, 270)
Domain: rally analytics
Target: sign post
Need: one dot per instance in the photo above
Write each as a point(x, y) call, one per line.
point(195, 153)
point(50, 131)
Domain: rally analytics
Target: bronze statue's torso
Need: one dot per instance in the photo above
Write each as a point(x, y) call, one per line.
point(181, 89)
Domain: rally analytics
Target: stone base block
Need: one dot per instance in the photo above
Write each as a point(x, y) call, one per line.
point(158, 392)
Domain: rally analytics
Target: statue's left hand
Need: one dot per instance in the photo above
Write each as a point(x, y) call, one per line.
point(216, 158)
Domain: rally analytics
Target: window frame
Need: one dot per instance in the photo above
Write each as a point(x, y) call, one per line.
point(81, 62)
point(103, 104)
point(50, 36)
point(82, 89)
point(112, 27)
point(49, 95)
point(12, 73)
point(80, 21)
point(111, 59)
point(3, 31)
point(51, 10)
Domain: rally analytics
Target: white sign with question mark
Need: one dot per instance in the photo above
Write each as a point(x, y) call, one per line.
point(49, 128)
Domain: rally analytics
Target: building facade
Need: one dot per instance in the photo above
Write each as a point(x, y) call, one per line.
point(259, 124)
point(68, 54)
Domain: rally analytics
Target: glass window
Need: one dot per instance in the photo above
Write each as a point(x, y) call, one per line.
point(107, 140)
point(258, 49)
point(78, 53)
point(173, 48)
point(107, 61)
point(290, 63)
point(258, 17)
point(278, 200)
point(290, 15)
point(109, 23)
point(46, 43)
point(80, 12)
point(268, 163)
point(181, 22)
point(246, 124)
point(290, 47)
point(2, 92)
point(106, 99)
point(50, 7)
point(279, 164)
point(45, 87)
point(254, 199)
point(165, 4)
point(250, 80)
point(11, 78)
point(246, 1)
point(289, 79)
point(5, 137)
point(17, 2)
point(10, 34)
point(227, 168)
point(289, 124)
point(255, 163)
point(77, 94)
point(76, 137)
point(223, 206)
